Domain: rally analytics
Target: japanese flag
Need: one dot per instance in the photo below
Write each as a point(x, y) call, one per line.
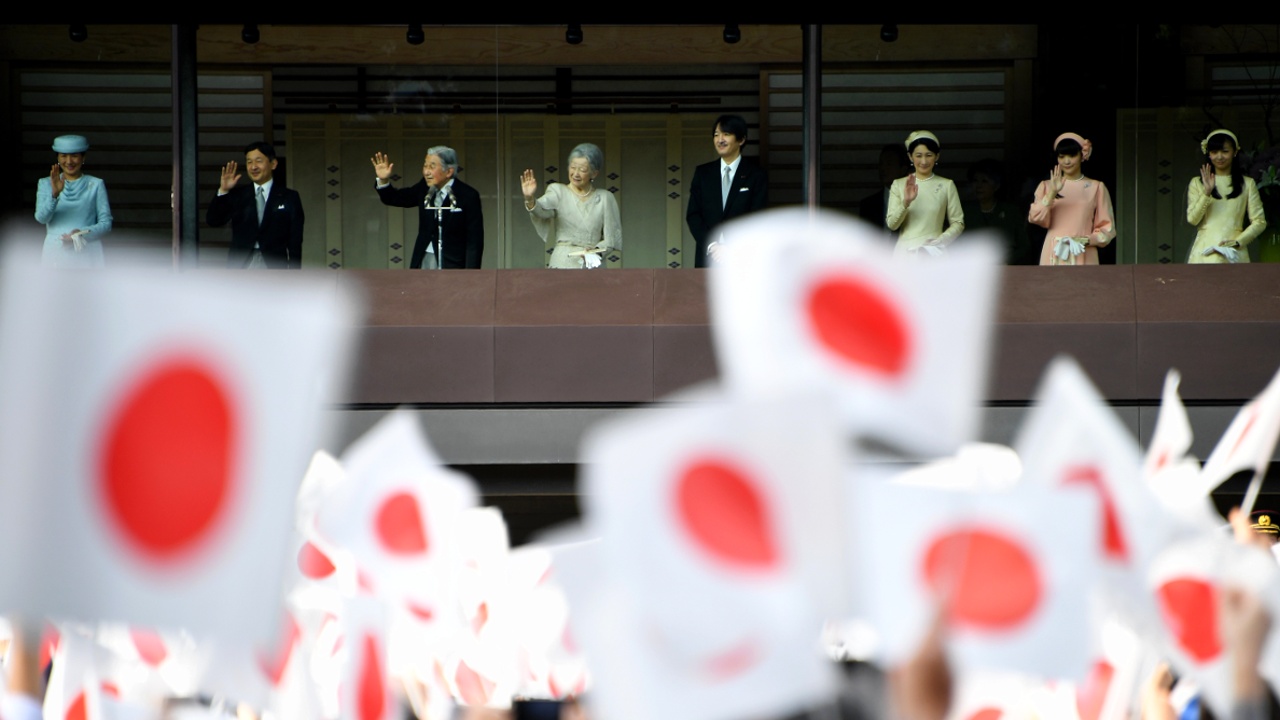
point(1250, 440)
point(1172, 436)
point(1008, 570)
point(819, 301)
point(720, 526)
point(1173, 476)
point(366, 691)
point(541, 613)
point(1107, 692)
point(1187, 581)
point(154, 430)
point(255, 674)
point(396, 513)
point(1071, 437)
point(75, 690)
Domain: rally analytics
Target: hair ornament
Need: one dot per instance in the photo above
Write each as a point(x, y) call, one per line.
point(1086, 147)
point(1204, 144)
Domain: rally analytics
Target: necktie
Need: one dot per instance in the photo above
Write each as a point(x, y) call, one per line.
point(724, 187)
point(262, 204)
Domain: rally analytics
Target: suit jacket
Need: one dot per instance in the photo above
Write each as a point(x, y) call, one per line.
point(748, 192)
point(461, 223)
point(279, 237)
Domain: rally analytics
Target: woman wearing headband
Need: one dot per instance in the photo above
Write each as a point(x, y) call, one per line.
point(73, 208)
point(921, 203)
point(1075, 209)
point(1216, 203)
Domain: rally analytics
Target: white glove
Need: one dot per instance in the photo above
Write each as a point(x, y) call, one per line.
point(1066, 248)
point(591, 260)
point(77, 240)
point(932, 250)
point(1231, 254)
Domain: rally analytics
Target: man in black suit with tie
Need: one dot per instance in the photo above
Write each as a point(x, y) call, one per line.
point(723, 190)
point(450, 223)
point(266, 217)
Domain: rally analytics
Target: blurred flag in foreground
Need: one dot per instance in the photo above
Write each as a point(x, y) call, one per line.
point(154, 430)
point(719, 533)
point(805, 301)
point(1008, 571)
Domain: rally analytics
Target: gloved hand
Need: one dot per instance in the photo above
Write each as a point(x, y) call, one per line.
point(1231, 254)
point(1066, 248)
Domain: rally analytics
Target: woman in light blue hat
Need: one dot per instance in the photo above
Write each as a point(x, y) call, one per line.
point(73, 207)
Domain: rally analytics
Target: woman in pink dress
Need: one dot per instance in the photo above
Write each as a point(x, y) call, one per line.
point(1075, 209)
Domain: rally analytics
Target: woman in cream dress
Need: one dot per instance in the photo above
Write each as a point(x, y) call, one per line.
point(1216, 204)
point(1075, 209)
point(583, 221)
point(921, 203)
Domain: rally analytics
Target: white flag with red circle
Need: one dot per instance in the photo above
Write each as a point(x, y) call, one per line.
point(396, 514)
point(1171, 439)
point(366, 691)
point(1250, 440)
point(1172, 474)
point(1107, 692)
point(720, 522)
point(75, 690)
point(1072, 437)
point(819, 301)
point(1009, 571)
point(1186, 582)
point(154, 430)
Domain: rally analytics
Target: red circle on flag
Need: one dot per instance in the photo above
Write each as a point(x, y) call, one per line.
point(987, 713)
point(399, 525)
point(78, 709)
point(1093, 693)
point(990, 581)
point(1190, 610)
point(150, 646)
point(860, 325)
point(720, 507)
point(371, 693)
point(313, 563)
point(168, 457)
point(473, 687)
point(1113, 541)
point(273, 664)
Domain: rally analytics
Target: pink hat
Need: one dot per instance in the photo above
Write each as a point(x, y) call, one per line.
point(1086, 147)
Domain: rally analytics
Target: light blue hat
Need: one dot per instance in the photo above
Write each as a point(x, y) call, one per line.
point(70, 144)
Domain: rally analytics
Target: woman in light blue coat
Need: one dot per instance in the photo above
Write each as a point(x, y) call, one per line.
point(73, 207)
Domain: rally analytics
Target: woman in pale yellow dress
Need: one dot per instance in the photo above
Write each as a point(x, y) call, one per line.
point(923, 207)
point(1216, 204)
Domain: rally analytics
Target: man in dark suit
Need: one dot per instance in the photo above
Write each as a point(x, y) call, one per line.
point(266, 217)
point(450, 223)
point(725, 189)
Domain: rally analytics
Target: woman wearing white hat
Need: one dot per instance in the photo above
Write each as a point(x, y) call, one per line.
point(73, 207)
point(923, 207)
